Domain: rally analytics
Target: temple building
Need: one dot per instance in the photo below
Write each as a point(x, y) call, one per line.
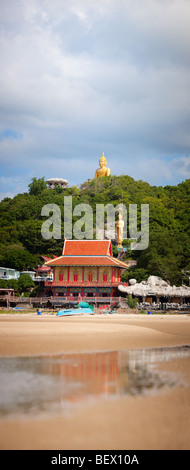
point(86, 268)
point(44, 273)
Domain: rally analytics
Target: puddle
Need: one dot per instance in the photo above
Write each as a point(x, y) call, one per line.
point(46, 384)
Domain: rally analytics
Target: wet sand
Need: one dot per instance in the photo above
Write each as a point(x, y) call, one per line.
point(155, 421)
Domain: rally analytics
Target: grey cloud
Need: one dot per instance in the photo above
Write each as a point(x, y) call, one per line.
point(81, 77)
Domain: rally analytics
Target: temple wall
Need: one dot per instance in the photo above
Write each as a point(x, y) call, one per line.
point(60, 270)
point(85, 272)
point(75, 270)
point(90, 270)
point(105, 270)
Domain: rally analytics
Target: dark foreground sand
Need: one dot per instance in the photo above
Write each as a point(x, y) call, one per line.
point(157, 421)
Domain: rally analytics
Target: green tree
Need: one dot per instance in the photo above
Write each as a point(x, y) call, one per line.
point(17, 257)
point(13, 284)
point(25, 282)
point(140, 274)
point(37, 186)
point(3, 284)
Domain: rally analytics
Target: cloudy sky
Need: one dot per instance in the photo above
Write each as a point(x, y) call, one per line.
point(79, 77)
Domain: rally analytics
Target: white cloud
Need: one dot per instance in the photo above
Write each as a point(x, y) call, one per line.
point(182, 166)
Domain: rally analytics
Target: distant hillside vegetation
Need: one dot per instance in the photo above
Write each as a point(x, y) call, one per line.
point(168, 253)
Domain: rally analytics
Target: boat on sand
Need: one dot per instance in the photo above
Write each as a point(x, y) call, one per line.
point(81, 308)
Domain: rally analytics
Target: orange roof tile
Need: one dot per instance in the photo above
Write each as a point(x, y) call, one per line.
point(87, 248)
point(87, 261)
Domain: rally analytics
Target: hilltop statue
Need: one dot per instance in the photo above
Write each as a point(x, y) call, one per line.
point(119, 227)
point(103, 170)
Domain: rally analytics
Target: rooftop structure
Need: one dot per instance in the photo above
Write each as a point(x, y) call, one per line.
point(53, 182)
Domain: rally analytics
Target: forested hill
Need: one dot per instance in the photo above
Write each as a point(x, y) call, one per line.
point(167, 255)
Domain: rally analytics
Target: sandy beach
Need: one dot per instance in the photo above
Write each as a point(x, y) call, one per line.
point(158, 420)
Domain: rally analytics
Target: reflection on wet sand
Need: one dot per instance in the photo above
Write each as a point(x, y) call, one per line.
point(46, 383)
point(115, 373)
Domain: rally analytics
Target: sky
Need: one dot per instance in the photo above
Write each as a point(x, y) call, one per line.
point(79, 78)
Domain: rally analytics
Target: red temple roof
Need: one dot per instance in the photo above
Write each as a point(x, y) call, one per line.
point(87, 248)
point(87, 261)
point(87, 253)
point(43, 268)
point(47, 258)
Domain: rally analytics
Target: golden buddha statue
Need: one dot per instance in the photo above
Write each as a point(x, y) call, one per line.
point(103, 170)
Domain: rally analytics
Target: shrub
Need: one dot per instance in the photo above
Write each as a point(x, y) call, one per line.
point(132, 303)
